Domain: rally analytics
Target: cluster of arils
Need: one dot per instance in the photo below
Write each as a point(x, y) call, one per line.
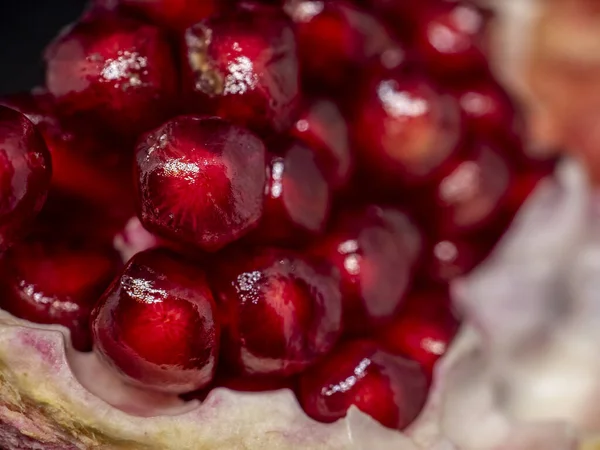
point(308, 176)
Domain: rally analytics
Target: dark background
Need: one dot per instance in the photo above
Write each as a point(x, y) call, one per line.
point(26, 26)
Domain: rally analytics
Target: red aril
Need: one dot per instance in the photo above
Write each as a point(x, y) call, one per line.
point(113, 71)
point(298, 197)
point(172, 14)
point(280, 312)
point(200, 181)
point(450, 258)
point(242, 66)
point(389, 388)
point(156, 324)
point(375, 250)
point(472, 191)
point(451, 37)
point(336, 38)
point(323, 128)
point(85, 163)
point(405, 129)
point(423, 330)
point(25, 171)
point(488, 109)
point(56, 281)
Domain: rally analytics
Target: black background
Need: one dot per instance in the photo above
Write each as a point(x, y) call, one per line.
point(26, 26)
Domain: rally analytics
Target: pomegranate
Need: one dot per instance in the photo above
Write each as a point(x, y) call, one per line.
point(56, 282)
point(391, 389)
point(242, 65)
point(298, 196)
point(261, 219)
point(406, 129)
point(346, 36)
point(297, 300)
point(322, 127)
point(200, 181)
point(156, 324)
point(25, 171)
point(114, 70)
point(376, 250)
point(424, 329)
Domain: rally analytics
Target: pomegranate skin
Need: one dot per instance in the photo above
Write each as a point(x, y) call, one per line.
point(376, 250)
point(243, 66)
point(156, 324)
point(113, 71)
point(424, 330)
point(25, 172)
point(295, 300)
point(406, 129)
point(56, 281)
point(200, 181)
point(391, 389)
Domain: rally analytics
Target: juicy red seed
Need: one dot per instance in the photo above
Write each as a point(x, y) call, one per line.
point(472, 192)
point(84, 162)
point(375, 250)
point(297, 198)
point(452, 37)
point(200, 181)
point(489, 110)
point(405, 129)
point(56, 282)
point(424, 329)
point(322, 127)
point(114, 71)
point(156, 324)
point(37, 106)
point(454, 257)
point(25, 171)
point(336, 37)
point(402, 16)
point(243, 66)
point(172, 14)
point(280, 311)
point(391, 389)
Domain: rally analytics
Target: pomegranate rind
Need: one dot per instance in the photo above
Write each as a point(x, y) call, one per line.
point(43, 406)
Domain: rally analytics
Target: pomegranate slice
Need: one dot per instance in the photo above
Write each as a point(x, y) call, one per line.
point(389, 388)
point(280, 312)
point(200, 181)
point(56, 282)
point(243, 66)
point(376, 250)
point(113, 70)
point(156, 324)
point(25, 171)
